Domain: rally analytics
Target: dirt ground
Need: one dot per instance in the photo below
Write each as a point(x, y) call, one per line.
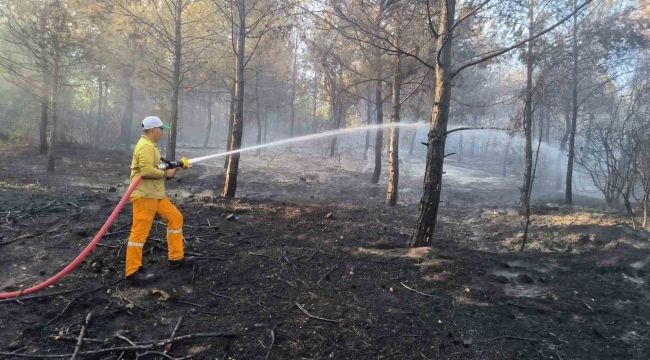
point(312, 265)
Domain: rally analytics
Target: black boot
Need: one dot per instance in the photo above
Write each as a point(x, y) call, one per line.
point(188, 260)
point(140, 277)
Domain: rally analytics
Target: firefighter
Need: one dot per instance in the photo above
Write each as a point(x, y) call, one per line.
point(149, 200)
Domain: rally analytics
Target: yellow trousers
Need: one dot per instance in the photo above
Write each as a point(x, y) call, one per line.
point(144, 211)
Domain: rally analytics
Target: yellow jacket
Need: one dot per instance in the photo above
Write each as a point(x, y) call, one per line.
point(146, 158)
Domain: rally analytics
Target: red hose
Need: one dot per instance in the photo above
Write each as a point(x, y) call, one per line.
point(83, 254)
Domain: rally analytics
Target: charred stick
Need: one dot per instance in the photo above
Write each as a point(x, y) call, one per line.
point(268, 354)
point(81, 335)
point(178, 324)
point(509, 337)
point(312, 255)
point(76, 298)
point(327, 273)
point(140, 346)
point(419, 292)
point(315, 317)
point(218, 295)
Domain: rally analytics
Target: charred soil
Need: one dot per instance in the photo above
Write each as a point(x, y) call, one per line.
point(307, 263)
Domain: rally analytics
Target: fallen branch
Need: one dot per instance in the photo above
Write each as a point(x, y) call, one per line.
point(268, 354)
point(39, 296)
point(178, 324)
point(81, 335)
point(419, 292)
point(327, 273)
point(509, 337)
point(292, 338)
point(221, 314)
point(190, 303)
point(254, 254)
point(140, 346)
point(315, 317)
point(76, 298)
point(312, 255)
point(218, 295)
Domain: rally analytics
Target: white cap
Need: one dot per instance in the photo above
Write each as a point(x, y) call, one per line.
point(151, 122)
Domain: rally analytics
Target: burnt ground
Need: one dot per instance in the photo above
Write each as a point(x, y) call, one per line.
point(579, 291)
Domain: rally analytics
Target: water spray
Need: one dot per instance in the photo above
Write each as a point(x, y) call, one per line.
point(184, 163)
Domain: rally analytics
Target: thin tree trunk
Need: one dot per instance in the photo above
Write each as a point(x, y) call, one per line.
point(231, 120)
point(230, 187)
point(564, 141)
point(393, 159)
point(574, 111)
point(293, 93)
point(368, 121)
point(338, 109)
point(55, 103)
point(257, 111)
point(646, 204)
point(176, 81)
point(45, 104)
point(45, 93)
point(589, 135)
point(425, 225)
point(210, 120)
point(314, 126)
point(127, 120)
point(379, 106)
point(104, 107)
point(528, 115)
point(98, 122)
point(532, 179)
point(266, 122)
point(505, 157)
point(415, 133)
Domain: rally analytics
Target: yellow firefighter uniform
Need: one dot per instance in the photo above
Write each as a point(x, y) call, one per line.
point(149, 199)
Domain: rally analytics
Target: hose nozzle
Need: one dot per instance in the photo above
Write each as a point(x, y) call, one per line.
point(182, 163)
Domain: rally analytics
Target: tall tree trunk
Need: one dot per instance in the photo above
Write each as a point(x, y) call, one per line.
point(176, 81)
point(55, 103)
point(207, 134)
point(127, 119)
point(393, 159)
point(528, 114)
point(589, 135)
point(266, 123)
point(505, 157)
point(415, 133)
point(564, 141)
point(379, 106)
point(368, 121)
point(231, 119)
point(337, 109)
point(45, 93)
point(314, 104)
point(293, 92)
point(460, 148)
point(574, 110)
point(98, 122)
point(230, 187)
point(104, 105)
point(426, 222)
point(257, 110)
point(45, 104)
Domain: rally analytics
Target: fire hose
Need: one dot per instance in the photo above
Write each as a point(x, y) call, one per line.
point(183, 163)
